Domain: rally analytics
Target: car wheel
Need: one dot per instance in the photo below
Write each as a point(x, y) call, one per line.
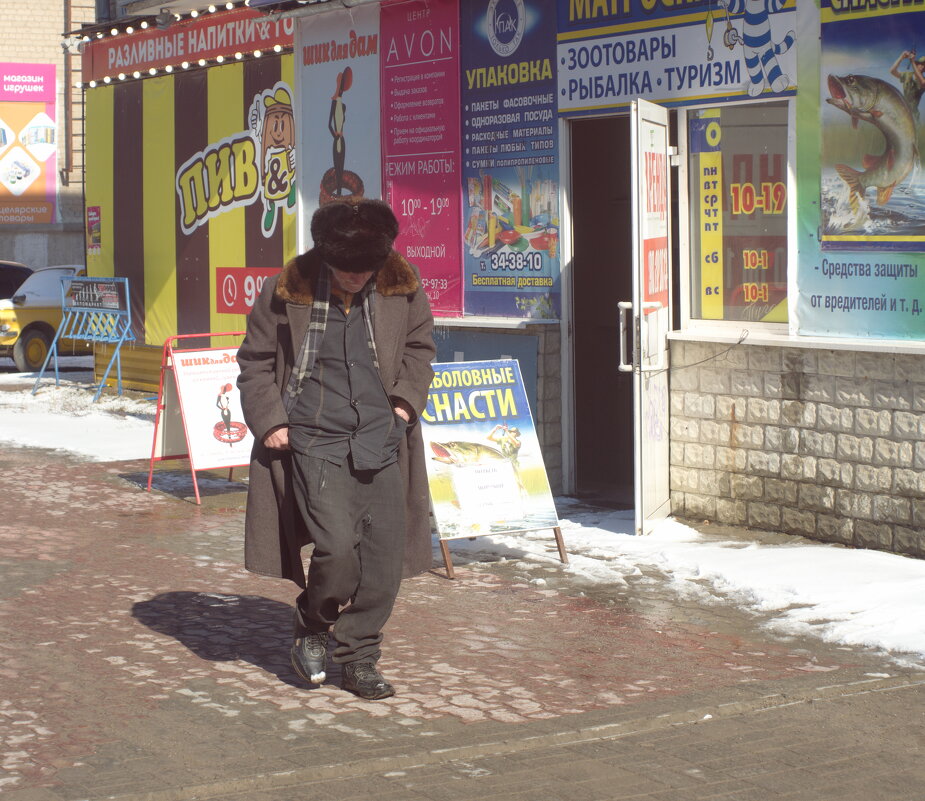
point(30, 351)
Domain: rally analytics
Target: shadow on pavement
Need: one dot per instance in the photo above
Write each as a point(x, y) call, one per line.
point(179, 483)
point(222, 628)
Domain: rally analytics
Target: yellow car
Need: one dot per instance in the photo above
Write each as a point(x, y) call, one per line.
point(29, 319)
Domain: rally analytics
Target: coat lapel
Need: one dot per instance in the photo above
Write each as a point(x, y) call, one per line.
point(389, 323)
point(298, 324)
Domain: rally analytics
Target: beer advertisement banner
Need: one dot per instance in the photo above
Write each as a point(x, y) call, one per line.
point(861, 271)
point(339, 148)
point(28, 144)
point(191, 181)
point(511, 159)
point(420, 141)
point(673, 53)
point(873, 195)
point(485, 467)
point(184, 41)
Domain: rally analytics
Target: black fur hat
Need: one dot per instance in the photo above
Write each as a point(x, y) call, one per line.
point(354, 235)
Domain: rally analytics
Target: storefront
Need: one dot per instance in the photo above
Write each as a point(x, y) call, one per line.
point(710, 276)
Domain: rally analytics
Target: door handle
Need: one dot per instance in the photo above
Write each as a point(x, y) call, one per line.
point(624, 307)
point(653, 305)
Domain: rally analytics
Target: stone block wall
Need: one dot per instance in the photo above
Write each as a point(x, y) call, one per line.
point(549, 401)
point(827, 444)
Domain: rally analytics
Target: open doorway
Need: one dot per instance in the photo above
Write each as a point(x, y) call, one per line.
point(602, 277)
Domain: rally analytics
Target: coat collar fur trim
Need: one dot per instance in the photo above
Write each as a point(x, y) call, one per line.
point(299, 277)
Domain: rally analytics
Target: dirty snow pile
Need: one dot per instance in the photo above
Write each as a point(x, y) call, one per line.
point(846, 596)
point(65, 418)
point(799, 587)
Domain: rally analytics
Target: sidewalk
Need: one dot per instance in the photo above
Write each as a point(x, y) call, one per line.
point(140, 661)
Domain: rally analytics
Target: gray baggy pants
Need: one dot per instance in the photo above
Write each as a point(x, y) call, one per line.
point(356, 520)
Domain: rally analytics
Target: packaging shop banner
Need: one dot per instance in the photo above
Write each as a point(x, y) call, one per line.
point(610, 53)
point(484, 463)
point(510, 160)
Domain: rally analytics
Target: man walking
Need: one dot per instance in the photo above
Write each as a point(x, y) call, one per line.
point(335, 368)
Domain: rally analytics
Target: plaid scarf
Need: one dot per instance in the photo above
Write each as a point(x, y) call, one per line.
point(317, 322)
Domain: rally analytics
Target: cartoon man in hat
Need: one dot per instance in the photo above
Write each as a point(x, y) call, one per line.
point(273, 123)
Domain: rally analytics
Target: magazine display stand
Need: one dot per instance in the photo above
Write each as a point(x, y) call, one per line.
point(95, 310)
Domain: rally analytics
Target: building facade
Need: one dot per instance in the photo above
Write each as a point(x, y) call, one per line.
point(696, 226)
point(41, 147)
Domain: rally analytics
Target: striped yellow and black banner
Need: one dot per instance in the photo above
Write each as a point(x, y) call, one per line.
point(139, 136)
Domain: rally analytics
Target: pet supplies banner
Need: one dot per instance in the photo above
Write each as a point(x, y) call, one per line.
point(673, 53)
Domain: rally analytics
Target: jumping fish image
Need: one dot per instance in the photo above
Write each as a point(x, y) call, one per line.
point(877, 102)
point(463, 453)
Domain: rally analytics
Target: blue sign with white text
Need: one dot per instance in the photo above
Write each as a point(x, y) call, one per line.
point(510, 159)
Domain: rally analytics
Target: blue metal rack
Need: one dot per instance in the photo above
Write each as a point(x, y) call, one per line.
point(95, 310)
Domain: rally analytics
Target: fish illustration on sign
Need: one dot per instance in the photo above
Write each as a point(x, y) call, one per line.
point(872, 100)
point(464, 453)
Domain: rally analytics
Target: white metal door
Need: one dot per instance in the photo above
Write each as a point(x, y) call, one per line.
point(646, 320)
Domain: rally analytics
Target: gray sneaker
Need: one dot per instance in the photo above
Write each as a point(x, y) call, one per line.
point(362, 679)
point(308, 656)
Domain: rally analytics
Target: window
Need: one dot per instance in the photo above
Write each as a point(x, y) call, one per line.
point(738, 212)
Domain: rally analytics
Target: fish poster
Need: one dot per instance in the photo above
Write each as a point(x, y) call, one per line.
point(871, 84)
point(484, 462)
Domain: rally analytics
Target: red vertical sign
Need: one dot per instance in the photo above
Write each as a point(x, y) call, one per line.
point(655, 228)
point(420, 141)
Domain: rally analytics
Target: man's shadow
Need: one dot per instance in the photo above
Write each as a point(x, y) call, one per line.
point(223, 628)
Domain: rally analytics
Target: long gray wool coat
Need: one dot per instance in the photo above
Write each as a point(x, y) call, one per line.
point(403, 329)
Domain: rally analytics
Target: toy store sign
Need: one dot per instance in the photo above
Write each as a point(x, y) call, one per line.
point(31, 82)
point(653, 53)
point(203, 38)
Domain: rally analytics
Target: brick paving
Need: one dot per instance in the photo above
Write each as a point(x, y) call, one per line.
point(138, 660)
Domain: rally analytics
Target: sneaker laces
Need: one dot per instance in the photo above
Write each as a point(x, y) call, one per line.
point(317, 641)
point(366, 670)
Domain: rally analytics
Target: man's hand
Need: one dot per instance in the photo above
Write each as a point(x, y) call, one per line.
point(402, 409)
point(278, 439)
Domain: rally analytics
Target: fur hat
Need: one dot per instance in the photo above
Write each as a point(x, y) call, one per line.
point(354, 235)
